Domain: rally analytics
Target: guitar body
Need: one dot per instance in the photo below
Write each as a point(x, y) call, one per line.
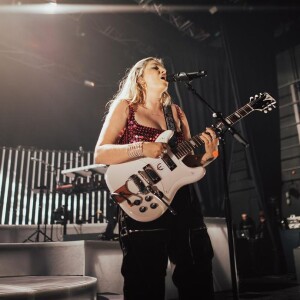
point(160, 174)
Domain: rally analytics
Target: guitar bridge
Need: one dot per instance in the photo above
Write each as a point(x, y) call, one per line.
point(139, 183)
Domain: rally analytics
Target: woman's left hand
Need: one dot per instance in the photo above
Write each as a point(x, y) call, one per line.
point(211, 142)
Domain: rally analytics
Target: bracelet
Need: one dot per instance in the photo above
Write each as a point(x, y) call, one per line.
point(135, 150)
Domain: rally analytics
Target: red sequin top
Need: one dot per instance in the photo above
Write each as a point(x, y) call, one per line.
point(135, 132)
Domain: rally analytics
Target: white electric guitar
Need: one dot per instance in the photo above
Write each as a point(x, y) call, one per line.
point(145, 187)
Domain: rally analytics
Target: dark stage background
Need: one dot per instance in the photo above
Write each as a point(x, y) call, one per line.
point(57, 71)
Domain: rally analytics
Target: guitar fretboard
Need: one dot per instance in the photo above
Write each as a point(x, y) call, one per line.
point(186, 147)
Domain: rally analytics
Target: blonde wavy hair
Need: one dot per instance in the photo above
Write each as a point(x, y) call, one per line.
point(131, 90)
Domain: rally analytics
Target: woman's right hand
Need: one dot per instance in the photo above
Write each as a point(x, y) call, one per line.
point(154, 149)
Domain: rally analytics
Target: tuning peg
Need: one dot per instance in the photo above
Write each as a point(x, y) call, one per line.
point(265, 111)
point(251, 98)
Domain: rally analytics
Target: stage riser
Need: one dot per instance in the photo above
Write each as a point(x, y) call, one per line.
point(42, 259)
point(101, 259)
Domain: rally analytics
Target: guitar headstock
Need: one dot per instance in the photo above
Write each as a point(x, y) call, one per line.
point(262, 102)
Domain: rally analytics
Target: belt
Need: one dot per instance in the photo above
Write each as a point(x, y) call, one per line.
point(203, 227)
point(124, 231)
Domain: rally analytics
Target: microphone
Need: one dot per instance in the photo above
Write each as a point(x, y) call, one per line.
point(182, 76)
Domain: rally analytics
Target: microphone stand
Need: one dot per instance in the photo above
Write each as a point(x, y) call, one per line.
point(221, 131)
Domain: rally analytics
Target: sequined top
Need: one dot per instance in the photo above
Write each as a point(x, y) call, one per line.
point(134, 132)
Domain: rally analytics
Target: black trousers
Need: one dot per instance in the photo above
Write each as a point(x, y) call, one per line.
point(182, 238)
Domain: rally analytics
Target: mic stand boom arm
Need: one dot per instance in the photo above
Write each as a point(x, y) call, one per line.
point(222, 127)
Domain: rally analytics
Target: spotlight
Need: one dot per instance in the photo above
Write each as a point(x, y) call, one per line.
point(89, 83)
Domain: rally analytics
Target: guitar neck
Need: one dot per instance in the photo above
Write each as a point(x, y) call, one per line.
point(187, 146)
point(236, 116)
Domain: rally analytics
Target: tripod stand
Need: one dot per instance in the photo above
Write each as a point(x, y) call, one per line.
point(38, 231)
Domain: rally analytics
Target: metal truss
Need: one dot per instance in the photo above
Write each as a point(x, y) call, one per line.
point(184, 25)
point(35, 61)
point(90, 79)
point(132, 43)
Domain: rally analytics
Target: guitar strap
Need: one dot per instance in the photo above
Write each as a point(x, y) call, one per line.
point(170, 124)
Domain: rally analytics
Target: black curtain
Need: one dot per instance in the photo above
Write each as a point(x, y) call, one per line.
point(243, 66)
point(216, 90)
point(249, 46)
point(249, 51)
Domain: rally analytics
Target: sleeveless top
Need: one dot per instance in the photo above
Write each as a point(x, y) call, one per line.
point(134, 132)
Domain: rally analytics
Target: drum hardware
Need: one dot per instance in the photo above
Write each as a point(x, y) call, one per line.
point(293, 222)
point(76, 187)
point(60, 215)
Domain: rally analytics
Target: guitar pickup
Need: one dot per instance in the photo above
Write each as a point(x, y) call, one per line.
point(169, 162)
point(154, 177)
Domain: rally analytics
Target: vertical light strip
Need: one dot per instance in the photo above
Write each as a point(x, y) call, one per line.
point(2, 167)
point(104, 200)
point(58, 177)
point(91, 195)
point(85, 196)
point(77, 196)
point(88, 213)
point(65, 197)
point(7, 183)
point(45, 196)
point(83, 199)
point(293, 89)
point(32, 197)
point(74, 199)
point(2, 180)
point(52, 194)
point(13, 189)
point(39, 196)
point(20, 185)
point(26, 187)
point(98, 199)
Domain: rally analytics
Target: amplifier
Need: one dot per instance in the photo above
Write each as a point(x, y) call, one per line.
point(293, 222)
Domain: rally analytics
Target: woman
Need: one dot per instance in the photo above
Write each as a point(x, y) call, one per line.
point(132, 125)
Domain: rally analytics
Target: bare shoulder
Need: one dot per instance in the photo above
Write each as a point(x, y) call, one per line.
point(119, 107)
point(114, 123)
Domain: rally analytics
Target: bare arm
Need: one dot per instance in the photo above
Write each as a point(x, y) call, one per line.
point(106, 150)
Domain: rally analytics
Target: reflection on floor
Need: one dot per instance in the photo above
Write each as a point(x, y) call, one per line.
point(260, 288)
point(283, 287)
